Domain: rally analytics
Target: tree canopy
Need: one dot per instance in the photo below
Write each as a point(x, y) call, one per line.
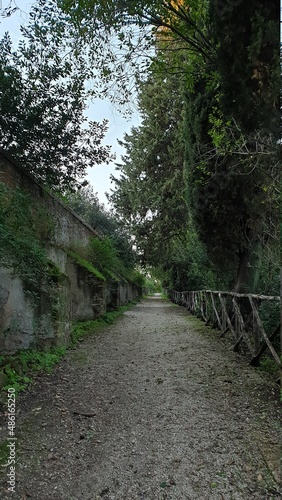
point(43, 99)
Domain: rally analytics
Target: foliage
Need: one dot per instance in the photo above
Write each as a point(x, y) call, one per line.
point(104, 256)
point(270, 313)
point(189, 267)
point(86, 204)
point(125, 33)
point(247, 38)
point(152, 285)
point(86, 265)
point(24, 228)
point(20, 368)
point(138, 278)
point(111, 253)
point(199, 179)
point(268, 365)
point(270, 266)
point(231, 151)
point(43, 99)
point(226, 190)
point(149, 195)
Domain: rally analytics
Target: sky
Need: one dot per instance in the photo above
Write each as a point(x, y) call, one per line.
point(99, 175)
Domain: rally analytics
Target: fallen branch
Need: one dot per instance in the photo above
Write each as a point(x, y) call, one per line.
point(84, 414)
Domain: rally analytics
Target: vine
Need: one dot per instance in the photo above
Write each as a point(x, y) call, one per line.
point(24, 228)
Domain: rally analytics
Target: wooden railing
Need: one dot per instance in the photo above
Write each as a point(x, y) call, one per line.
point(253, 320)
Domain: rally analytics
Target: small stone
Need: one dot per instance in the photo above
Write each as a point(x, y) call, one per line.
point(248, 468)
point(104, 491)
point(276, 476)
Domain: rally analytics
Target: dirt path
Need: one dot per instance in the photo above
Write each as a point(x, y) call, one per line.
point(153, 407)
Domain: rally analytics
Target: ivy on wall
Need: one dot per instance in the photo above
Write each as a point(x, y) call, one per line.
point(24, 229)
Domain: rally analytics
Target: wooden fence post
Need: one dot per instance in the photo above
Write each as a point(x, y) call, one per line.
point(215, 307)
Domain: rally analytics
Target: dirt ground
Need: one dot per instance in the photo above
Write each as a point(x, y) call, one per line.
point(153, 407)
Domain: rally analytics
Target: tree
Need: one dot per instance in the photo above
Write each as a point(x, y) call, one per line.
point(86, 204)
point(247, 37)
point(149, 195)
point(125, 34)
point(42, 103)
point(230, 196)
point(231, 143)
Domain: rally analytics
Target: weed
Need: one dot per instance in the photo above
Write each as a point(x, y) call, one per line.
point(41, 361)
point(268, 365)
point(21, 367)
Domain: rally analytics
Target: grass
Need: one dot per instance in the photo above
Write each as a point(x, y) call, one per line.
point(84, 328)
point(267, 365)
point(20, 369)
point(198, 325)
point(86, 265)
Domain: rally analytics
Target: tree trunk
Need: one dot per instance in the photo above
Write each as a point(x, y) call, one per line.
point(248, 269)
point(242, 272)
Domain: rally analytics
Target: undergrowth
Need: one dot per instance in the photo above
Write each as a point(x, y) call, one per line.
point(20, 369)
point(268, 365)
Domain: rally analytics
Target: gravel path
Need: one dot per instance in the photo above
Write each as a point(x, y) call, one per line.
point(153, 407)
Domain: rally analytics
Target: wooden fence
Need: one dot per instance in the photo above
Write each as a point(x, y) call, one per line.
point(253, 320)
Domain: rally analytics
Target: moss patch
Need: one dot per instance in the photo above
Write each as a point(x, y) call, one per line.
point(86, 265)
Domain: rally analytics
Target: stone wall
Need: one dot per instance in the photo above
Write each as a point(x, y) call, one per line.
point(69, 228)
point(41, 315)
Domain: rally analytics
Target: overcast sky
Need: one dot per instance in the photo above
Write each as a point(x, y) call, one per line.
point(98, 176)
